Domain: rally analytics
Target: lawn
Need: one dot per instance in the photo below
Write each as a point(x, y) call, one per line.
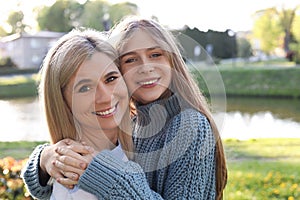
point(263, 169)
point(257, 169)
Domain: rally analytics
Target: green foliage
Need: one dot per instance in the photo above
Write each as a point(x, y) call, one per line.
point(3, 32)
point(7, 63)
point(92, 14)
point(118, 11)
point(15, 20)
point(223, 43)
point(244, 48)
point(60, 17)
point(267, 29)
point(296, 28)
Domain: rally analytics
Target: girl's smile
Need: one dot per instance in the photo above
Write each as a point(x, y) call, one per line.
point(145, 68)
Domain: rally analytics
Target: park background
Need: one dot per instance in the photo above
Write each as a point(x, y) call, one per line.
point(258, 64)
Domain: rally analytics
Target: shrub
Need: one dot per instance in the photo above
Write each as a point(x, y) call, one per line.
point(11, 184)
point(7, 63)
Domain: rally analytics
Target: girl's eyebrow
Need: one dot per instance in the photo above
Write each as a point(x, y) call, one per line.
point(134, 52)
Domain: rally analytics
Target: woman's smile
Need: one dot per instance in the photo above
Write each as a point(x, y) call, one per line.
point(107, 112)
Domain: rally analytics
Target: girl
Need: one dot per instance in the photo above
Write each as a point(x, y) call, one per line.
point(175, 137)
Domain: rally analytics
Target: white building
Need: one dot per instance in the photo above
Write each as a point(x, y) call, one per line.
point(27, 51)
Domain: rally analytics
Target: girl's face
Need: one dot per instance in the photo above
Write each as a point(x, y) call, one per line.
point(145, 67)
point(97, 94)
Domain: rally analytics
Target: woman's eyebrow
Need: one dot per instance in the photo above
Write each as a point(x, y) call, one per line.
point(83, 81)
point(111, 73)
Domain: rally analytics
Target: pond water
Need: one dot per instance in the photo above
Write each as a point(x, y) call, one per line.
point(22, 119)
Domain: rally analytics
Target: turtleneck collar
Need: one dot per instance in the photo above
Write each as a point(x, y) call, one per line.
point(159, 111)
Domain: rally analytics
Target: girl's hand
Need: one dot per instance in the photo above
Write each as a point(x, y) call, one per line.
point(64, 161)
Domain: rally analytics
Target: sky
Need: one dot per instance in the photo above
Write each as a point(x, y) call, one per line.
point(218, 15)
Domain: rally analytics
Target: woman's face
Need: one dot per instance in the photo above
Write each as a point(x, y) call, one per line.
point(145, 68)
point(97, 94)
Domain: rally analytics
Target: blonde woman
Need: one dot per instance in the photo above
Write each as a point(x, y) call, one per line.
point(85, 99)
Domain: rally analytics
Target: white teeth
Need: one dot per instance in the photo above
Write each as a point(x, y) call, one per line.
point(148, 82)
point(106, 112)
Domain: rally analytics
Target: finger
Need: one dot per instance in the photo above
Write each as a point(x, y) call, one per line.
point(72, 176)
point(67, 182)
point(68, 170)
point(72, 159)
point(75, 147)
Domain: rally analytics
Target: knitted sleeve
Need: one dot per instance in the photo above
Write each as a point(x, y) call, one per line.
point(110, 178)
point(191, 154)
point(30, 175)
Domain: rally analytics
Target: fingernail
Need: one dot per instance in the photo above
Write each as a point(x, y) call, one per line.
point(90, 149)
point(82, 165)
point(74, 177)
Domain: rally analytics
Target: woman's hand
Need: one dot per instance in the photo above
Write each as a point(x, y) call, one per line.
point(65, 161)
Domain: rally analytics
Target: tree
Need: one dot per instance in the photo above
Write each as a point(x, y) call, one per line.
point(2, 32)
point(267, 29)
point(15, 20)
point(273, 26)
point(60, 17)
point(93, 13)
point(244, 48)
point(286, 18)
point(100, 15)
point(118, 11)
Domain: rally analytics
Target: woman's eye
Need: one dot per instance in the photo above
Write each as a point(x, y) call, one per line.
point(110, 79)
point(84, 89)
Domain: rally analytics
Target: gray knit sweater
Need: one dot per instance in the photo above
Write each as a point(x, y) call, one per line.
point(174, 159)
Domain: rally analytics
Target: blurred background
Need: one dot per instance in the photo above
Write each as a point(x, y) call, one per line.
point(254, 46)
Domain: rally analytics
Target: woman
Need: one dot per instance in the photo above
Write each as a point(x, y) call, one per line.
point(85, 98)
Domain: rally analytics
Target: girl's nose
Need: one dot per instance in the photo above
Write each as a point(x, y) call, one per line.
point(146, 66)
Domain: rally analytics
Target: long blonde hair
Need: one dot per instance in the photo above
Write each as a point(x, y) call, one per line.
point(60, 64)
point(185, 86)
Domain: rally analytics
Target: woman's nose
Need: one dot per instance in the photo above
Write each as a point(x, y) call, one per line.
point(103, 94)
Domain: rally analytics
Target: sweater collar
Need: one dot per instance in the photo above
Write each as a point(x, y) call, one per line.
point(159, 111)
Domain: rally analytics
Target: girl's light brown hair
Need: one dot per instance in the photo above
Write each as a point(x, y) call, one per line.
point(60, 64)
point(182, 81)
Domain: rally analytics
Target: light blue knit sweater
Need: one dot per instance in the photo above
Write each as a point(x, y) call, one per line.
point(174, 159)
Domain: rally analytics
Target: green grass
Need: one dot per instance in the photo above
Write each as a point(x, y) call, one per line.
point(17, 150)
point(18, 86)
point(257, 169)
point(263, 169)
point(255, 81)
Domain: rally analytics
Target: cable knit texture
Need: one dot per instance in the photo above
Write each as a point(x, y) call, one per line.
point(174, 158)
point(30, 175)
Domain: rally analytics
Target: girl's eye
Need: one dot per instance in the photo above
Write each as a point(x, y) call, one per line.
point(155, 55)
point(84, 88)
point(111, 78)
point(130, 60)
